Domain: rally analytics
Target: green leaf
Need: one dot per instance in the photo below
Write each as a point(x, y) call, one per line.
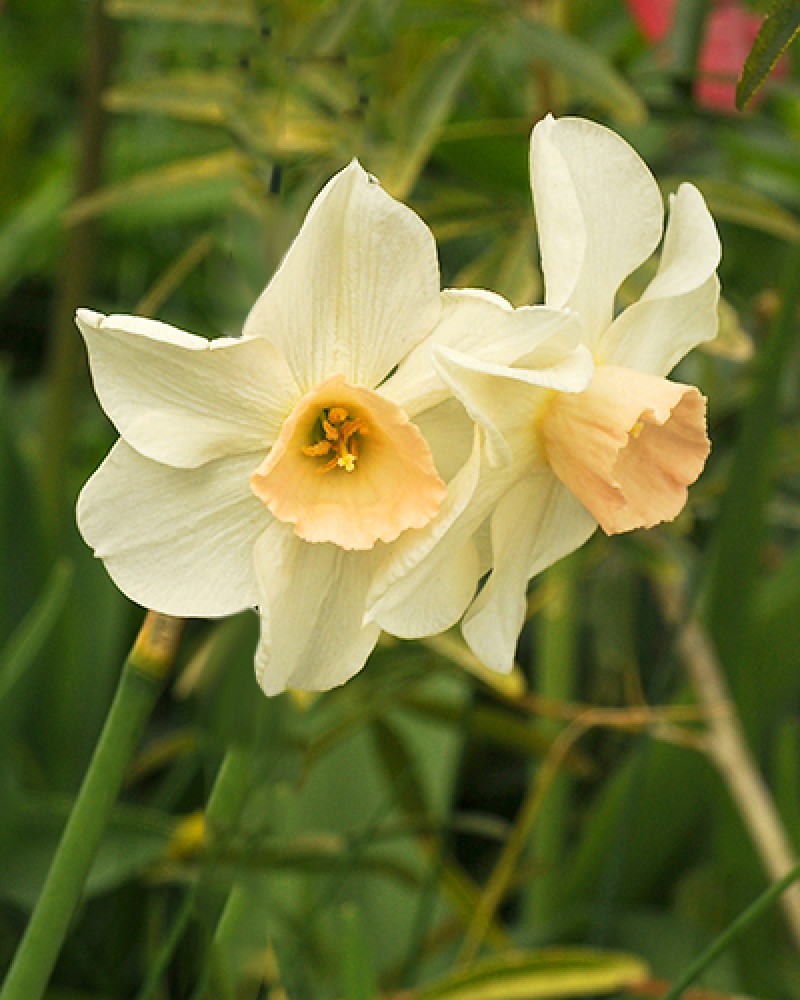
point(236, 12)
point(423, 109)
point(551, 972)
point(193, 185)
point(31, 634)
point(582, 65)
point(734, 202)
point(779, 28)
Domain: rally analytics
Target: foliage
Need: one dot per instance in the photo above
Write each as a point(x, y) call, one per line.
point(428, 828)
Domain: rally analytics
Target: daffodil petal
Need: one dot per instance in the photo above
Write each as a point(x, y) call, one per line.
point(678, 310)
point(314, 597)
point(181, 399)
point(435, 598)
point(358, 288)
point(505, 401)
point(487, 327)
point(179, 541)
point(598, 212)
point(536, 523)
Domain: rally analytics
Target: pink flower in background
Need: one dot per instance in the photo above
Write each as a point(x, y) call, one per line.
point(730, 32)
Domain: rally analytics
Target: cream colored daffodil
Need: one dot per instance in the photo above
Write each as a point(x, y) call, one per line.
point(317, 457)
point(622, 453)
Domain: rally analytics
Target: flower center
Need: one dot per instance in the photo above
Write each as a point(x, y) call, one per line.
point(628, 446)
point(345, 427)
point(336, 432)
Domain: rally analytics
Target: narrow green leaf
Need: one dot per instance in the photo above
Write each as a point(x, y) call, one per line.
point(778, 30)
point(423, 109)
point(194, 181)
point(556, 972)
point(357, 973)
point(31, 634)
point(584, 67)
point(733, 202)
point(734, 569)
point(236, 12)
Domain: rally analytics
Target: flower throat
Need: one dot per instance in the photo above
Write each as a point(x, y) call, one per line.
point(337, 433)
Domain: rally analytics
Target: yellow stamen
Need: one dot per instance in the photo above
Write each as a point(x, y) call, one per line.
point(340, 438)
point(637, 429)
point(313, 450)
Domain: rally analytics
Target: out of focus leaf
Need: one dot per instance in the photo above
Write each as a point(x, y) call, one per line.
point(556, 972)
point(27, 234)
point(734, 571)
point(206, 12)
point(134, 839)
point(423, 108)
point(777, 32)
point(584, 67)
point(738, 203)
point(33, 631)
point(192, 181)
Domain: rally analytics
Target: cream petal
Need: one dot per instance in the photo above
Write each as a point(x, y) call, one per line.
point(487, 327)
point(312, 599)
point(505, 401)
point(598, 212)
point(679, 307)
point(179, 541)
point(450, 435)
point(417, 556)
point(412, 547)
point(183, 400)
point(358, 288)
point(435, 597)
point(628, 447)
point(536, 523)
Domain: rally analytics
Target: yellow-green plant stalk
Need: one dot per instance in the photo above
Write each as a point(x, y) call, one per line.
point(143, 677)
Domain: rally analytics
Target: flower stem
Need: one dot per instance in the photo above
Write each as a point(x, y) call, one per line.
point(554, 658)
point(225, 803)
point(143, 677)
point(723, 941)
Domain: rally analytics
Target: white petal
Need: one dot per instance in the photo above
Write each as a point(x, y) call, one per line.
point(505, 401)
point(536, 523)
point(414, 546)
point(314, 598)
point(358, 288)
point(679, 307)
point(450, 435)
point(183, 400)
point(487, 327)
point(598, 211)
point(436, 598)
point(179, 541)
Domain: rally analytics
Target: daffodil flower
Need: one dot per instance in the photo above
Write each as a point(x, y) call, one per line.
point(622, 453)
point(295, 468)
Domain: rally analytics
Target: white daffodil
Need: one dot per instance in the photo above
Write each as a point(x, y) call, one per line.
point(622, 453)
point(295, 468)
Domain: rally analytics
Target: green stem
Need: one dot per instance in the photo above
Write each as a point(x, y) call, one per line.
point(725, 939)
point(64, 349)
point(225, 803)
point(554, 660)
point(143, 677)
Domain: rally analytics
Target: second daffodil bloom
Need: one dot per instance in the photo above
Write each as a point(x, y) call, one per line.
point(622, 453)
point(281, 470)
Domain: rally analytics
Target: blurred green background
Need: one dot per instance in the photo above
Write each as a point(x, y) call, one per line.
point(157, 157)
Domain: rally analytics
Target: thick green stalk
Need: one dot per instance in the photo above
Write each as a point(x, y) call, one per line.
point(143, 677)
point(724, 940)
point(554, 667)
